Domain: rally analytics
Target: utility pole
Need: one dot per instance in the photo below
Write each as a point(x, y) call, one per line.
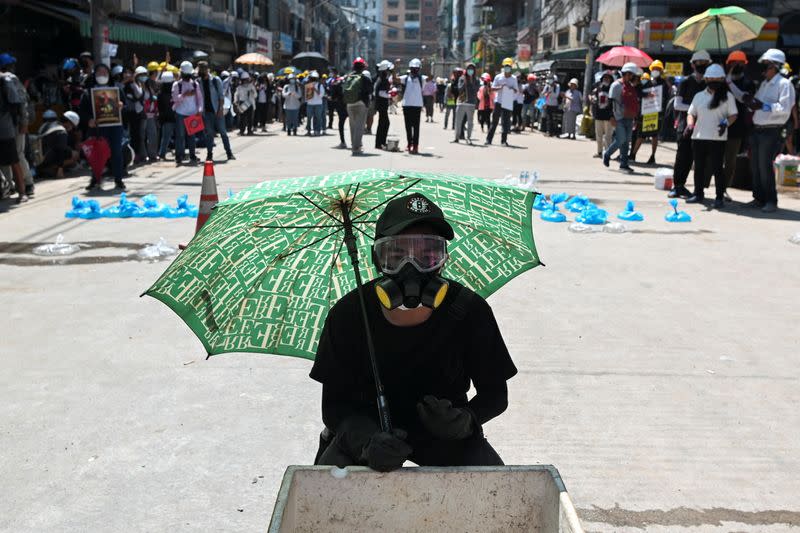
point(592, 42)
point(99, 31)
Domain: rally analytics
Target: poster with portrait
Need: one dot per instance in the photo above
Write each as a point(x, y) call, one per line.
point(652, 97)
point(106, 106)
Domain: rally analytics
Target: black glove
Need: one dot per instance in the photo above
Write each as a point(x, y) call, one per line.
point(386, 451)
point(755, 104)
point(721, 129)
point(687, 132)
point(443, 420)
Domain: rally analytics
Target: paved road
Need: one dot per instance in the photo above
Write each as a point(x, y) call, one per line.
point(658, 368)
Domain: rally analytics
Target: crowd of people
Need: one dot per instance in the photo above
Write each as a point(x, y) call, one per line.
point(717, 113)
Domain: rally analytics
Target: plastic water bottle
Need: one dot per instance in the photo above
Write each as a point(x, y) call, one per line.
point(523, 177)
point(535, 179)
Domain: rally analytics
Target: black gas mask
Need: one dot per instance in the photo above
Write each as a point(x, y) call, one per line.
point(410, 265)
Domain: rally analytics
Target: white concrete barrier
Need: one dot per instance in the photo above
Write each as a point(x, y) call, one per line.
point(502, 499)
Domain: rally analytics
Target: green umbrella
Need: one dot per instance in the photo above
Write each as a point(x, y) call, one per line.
point(718, 28)
point(265, 269)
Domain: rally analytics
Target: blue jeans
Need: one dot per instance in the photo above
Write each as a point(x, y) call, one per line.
point(765, 145)
point(317, 115)
point(167, 130)
point(181, 139)
point(622, 139)
point(214, 125)
point(113, 134)
point(292, 120)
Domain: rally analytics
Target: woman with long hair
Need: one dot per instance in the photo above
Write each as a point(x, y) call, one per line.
point(711, 113)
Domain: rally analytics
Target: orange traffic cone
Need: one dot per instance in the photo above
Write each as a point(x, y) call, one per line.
point(208, 198)
point(208, 195)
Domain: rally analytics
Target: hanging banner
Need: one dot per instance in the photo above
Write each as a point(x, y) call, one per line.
point(673, 69)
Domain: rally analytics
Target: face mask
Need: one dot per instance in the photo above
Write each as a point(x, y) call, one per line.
point(715, 85)
point(411, 288)
point(737, 70)
point(415, 72)
point(186, 76)
point(141, 79)
point(102, 80)
point(507, 70)
point(655, 74)
point(471, 72)
point(700, 69)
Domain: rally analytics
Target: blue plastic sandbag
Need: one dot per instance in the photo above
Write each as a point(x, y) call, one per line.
point(183, 209)
point(592, 215)
point(540, 203)
point(553, 215)
point(86, 209)
point(677, 216)
point(124, 209)
point(576, 204)
point(152, 207)
point(559, 198)
point(630, 214)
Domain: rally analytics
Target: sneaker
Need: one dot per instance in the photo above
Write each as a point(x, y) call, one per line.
point(626, 168)
point(194, 161)
point(231, 157)
point(504, 143)
point(769, 207)
point(695, 199)
point(22, 198)
point(680, 192)
point(727, 196)
point(120, 185)
point(29, 190)
point(415, 149)
point(652, 160)
point(719, 203)
point(606, 160)
point(597, 156)
point(454, 141)
point(754, 204)
point(487, 143)
point(342, 145)
point(469, 142)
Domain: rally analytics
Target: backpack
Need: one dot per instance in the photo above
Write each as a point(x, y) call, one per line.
point(630, 101)
point(352, 88)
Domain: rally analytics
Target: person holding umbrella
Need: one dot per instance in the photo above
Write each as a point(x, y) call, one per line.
point(434, 337)
point(684, 157)
point(772, 106)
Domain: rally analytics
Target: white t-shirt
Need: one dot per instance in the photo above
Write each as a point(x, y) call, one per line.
point(412, 90)
point(315, 94)
point(706, 124)
point(505, 93)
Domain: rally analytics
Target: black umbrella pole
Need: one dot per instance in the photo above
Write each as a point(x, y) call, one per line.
point(383, 404)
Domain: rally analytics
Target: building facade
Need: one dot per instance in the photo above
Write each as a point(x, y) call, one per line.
point(410, 30)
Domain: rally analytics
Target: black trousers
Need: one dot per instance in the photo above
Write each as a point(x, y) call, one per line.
point(472, 451)
point(516, 119)
point(261, 115)
point(341, 110)
point(382, 107)
point(709, 153)
point(497, 114)
point(484, 117)
point(684, 157)
point(552, 125)
point(246, 121)
point(411, 116)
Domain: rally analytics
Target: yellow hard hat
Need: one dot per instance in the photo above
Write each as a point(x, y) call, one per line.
point(153, 65)
point(787, 68)
point(645, 76)
point(657, 64)
point(508, 62)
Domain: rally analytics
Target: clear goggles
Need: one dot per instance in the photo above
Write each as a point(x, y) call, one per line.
point(426, 252)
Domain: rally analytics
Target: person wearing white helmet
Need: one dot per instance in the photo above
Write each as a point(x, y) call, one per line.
point(133, 113)
point(710, 114)
point(245, 102)
point(684, 157)
point(624, 98)
point(383, 86)
point(573, 105)
point(314, 93)
point(772, 106)
point(411, 85)
point(59, 151)
point(213, 110)
point(166, 115)
point(292, 99)
point(187, 100)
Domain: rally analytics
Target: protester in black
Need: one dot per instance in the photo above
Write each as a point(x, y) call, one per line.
point(684, 156)
point(381, 98)
point(427, 360)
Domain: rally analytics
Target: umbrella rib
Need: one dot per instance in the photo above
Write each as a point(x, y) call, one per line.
point(309, 200)
point(387, 200)
point(283, 256)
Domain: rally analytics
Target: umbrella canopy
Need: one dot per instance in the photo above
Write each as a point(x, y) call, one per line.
point(198, 55)
point(718, 28)
point(619, 55)
point(265, 269)
point(285, 71)
point(310, 61)
point(254, 58)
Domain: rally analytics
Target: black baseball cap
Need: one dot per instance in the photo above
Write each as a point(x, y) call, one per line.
point(406, 211)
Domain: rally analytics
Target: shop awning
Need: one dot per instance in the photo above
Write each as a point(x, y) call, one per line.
point(124, 32)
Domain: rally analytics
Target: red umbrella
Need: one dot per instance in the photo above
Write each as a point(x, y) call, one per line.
point(619, 55)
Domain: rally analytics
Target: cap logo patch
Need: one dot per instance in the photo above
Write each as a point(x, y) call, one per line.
point(419, 205)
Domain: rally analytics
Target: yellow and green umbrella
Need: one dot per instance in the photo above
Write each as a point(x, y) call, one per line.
point(718, 28)
point(263, 272)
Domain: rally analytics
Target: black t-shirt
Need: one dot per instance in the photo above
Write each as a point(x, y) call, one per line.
point(738, 129)
point(686, 91)
point(207, 105)
point(439, 357)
